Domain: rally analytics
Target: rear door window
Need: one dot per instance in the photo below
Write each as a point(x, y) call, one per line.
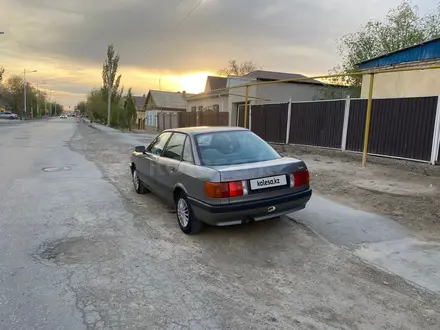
point(187, 155)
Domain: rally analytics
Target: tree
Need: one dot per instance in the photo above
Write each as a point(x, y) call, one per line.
point(81, 106)
point(130, 109)
point(402, 27)
point(57, 108)
point(110, 78)
point(14, 94)
point(96, 106)
point(238, 69)
point(42, 99)
point(2, 71)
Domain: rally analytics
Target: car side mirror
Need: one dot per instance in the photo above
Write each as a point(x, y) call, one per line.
point(140, 149)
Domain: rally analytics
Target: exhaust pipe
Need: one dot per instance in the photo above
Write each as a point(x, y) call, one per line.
point(247, 221)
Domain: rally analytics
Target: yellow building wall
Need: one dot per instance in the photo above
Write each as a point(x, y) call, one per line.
point(403, 84)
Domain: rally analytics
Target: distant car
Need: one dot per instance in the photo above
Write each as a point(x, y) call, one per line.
point(63, 116)
point(220, 176)
point(8, 115)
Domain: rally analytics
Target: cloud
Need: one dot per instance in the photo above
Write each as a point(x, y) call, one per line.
point(67, 40)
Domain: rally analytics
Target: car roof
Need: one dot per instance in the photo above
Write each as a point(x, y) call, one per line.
point(206, 129)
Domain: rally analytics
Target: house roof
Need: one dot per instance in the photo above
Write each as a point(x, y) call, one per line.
point(140, 101)
point(208, 95)
point(258, 75)
point(425, 51)
point(215, 83)
point(168, 100)
point(271, 75)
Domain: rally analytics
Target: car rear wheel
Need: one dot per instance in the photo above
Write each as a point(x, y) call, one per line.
point(185, 216)
point(137, 183)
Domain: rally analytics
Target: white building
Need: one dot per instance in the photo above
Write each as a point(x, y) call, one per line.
point(216, 96)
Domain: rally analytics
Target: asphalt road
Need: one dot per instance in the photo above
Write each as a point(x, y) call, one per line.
point(80, 250)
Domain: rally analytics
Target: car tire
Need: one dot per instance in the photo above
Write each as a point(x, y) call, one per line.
point(186, 219)
point(138, 185)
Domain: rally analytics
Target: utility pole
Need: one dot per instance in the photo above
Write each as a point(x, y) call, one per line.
point(45, 105)
point(110, 86)
point(50, 98)
point(38, 100)
point(24, 91)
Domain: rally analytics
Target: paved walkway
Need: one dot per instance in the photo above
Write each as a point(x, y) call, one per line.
point(375, 239)
point(132, 138)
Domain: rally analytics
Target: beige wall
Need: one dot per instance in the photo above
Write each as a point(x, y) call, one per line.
point(208, 102)
point(403, 84)
point(281, 92)
point(272, 93)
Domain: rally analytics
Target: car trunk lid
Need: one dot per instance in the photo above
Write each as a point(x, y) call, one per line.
point(259, 170)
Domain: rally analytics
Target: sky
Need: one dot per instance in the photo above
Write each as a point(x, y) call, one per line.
point(66, 41)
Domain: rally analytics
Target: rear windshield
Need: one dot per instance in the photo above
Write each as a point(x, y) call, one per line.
point(233, 147)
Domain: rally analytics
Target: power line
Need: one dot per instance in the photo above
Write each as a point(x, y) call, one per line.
point(174, 8)
point(189, 14)
point(178, 24)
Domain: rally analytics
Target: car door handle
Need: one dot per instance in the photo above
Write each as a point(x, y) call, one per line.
point(172, 169)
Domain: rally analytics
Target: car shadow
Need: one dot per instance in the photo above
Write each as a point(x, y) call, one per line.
point(260, 229)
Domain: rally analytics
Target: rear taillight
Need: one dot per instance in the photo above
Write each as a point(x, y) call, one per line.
point(224, 189)
point(236, 189)
point(301, 178)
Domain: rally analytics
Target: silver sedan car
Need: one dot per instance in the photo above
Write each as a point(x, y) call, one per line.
point(220, 176)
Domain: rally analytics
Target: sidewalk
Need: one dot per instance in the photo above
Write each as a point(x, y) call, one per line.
point(387, 214)
point(375, 239)
point(11, 122)
point(132, 138)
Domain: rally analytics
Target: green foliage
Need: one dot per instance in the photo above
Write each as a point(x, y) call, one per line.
point(123, 109)
point(123, 113)
point(129, 109)
point(96, 106)
point(81, 106)
point(402, 27)
point(12, 93)
point(110, 77)
point(334, 92)
point(2, 71)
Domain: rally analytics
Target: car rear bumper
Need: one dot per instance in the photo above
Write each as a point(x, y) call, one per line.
point(232, 214)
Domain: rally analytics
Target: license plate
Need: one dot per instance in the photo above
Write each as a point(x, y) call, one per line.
point(269, 182)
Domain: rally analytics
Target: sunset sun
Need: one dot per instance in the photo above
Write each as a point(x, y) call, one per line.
point(192, 83)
